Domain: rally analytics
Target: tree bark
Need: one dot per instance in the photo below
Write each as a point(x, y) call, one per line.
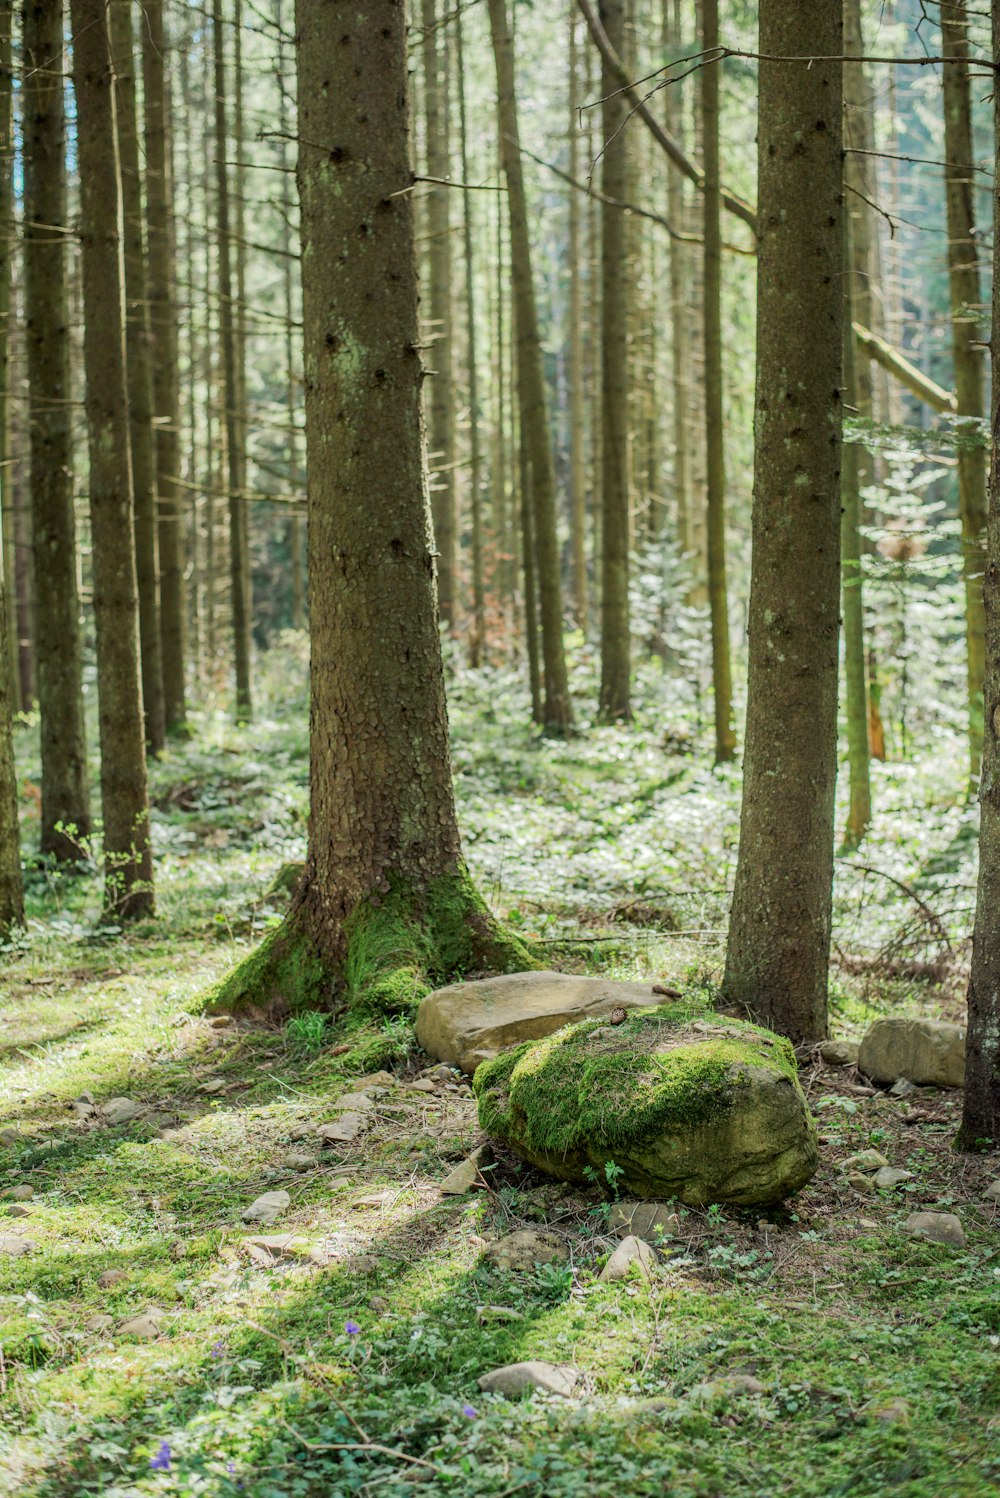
point(7, 242)
point(715, 452)
point(981, 1111)
point(557, 710)
point(138, 340)
point(855, 686)
point(128, 862)
point(577, 418)
point(963, 279)
point(11, 887)
point(779, 935)
point(239, 562)
point(679, 370)
point(616, 667)
point(162, 294)
point(57, 643)
point(477, 636)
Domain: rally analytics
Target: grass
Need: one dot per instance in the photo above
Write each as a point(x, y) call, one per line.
point(877, 1356)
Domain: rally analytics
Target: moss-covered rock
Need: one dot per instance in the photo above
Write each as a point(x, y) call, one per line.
point(685, 1104)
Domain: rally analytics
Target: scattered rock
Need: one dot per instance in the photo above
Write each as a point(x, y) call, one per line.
point(220, 1021)
point(464, 1176)
point(894, 1412)
point(866, 1160)
point(302, 1131)
point(111, 1277)
point(630, 1251)
point(705, 1109)
point(22, 1193)
point(936, 1227)
point(648, 1220)
point(268, 1208)
point(554, 1378)
point(301, 1162)
point(377, 1079)
point(18, 1211)
point(12, 1136)
point(867, 1224)
point(99, 1323)
point(887, 1179)
point(863, 1183)
point(215, 1084)
point(119, 1110)
point(359, 1102)
point(923, 1051)
point(347, 1127)
point(145, 1327)
point(902, 1088)
point(992, 1193)
point(82, 1110)
point(839, 1052)
point(469, 1022)
point(15, 1247)
point(527, 1248)
point(498, 1314)
point(423, 1084)
point(739, 1383)
point(271, 1247)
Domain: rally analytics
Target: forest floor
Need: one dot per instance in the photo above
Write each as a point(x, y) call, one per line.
point(817, 1352)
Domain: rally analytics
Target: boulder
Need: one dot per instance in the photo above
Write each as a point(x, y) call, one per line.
point(924, 1051)
point(681, 1102)
point(554, 1378)
point(527, 1248)
point(470, 1022)
point(936, 1227)
point(267, 1208)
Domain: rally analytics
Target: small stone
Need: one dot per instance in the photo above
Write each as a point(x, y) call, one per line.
point(647, 1220)
point(499, 1314)
point(887, 1179)
point(867, 1224)
point(347, 1127)
point(119, 1110)
point(18, 1211)
point(630, 1251)
point(82, 1110)
point(739, 1383)
point(423, 1085)
point(15, 1247)
point(865, 1184)
point(268, 1208)
point(220, 1021)
point(526, 1249)
point(302, 1131)
point(866, 1160)
point(111, 1277)
point(894, 1412)
point(274, 1246)
point(359, 1102)
point(839, 1052)
point(22, 1193)
point(460, 1180)
point(215, 1084)
point(99, 1323)
point(381, 1079)
point(301, 1162)
point(992, 1192)
point(554, 1378)
point(146, 1328)
point(363, 1263)
point(936, 1227)
point(11, 1136)
point(902, 1088)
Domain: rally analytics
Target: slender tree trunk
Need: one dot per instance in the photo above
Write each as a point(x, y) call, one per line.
point(616, 668)
point(860, 808)
point(128, 858)
point(239, 562)
point(24, 592)
point(11, 888)
point(981, 1112)
point(679, 369)
point(779, 935)
point(715, 452)
point(558, 712)
point(577, 417)
point(162, 294)
point(477, 638)
point(58, 655)
point(7, 241)
point(138, 351)
point(530, 586)
point(295, 557)
point(963, 277)
point(441, 433)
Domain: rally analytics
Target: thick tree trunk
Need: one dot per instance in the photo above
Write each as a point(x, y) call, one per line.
point(7, 242)
point(963, 277)
point(477, 636)
point(295, 548)
point(981, 1112)
point(385, 898)
point(616, 667)
point(128, 860)
point(162, 294)
point(239, 561)
point(440, 423)
point(138, 351)
point(779, 935)
point(557, 711)
point(715, 453)
point(58, 654)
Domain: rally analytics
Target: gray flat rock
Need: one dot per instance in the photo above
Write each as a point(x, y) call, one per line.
point(923, 1051)
point(268, 1208)
point(554, 1378)
point(936, 1227)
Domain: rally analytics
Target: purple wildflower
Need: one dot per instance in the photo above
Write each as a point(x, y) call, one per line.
point(469, 1412)
point(218, 1349)
point(161, 1461)
point(352, 1328)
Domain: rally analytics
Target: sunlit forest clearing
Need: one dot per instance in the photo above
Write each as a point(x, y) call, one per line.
point(499, 707)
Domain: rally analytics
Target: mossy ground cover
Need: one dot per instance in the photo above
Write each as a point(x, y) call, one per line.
point(879, 1357)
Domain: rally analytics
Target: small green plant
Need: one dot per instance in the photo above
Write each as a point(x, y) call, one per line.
point(612, 1175)
point(554, 1281)
point(308, 1029)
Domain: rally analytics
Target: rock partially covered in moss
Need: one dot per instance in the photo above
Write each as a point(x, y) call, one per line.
point(680, 1102)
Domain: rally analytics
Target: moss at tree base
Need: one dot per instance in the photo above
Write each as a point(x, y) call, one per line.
point(396, 948)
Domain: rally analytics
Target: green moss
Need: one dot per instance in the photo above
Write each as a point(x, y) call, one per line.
point(285, 974)
point(586, 1083)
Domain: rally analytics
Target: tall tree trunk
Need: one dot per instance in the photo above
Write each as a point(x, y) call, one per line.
point(138, 341)
point(128, 861)
point(715, 452)
point(557, 711)
point(11, 887)
point(162, 295)
point(779, 934)
point(577, 418)
point(295, 550)
point(7, 241)
point(384, 869)
point(440, 425)
point(239, 561)
point(860, 807)
point(616, 671)
point(478, 633)
point(963, 278)
point(981, 1111)
point(58, 653)
point(679, 370)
